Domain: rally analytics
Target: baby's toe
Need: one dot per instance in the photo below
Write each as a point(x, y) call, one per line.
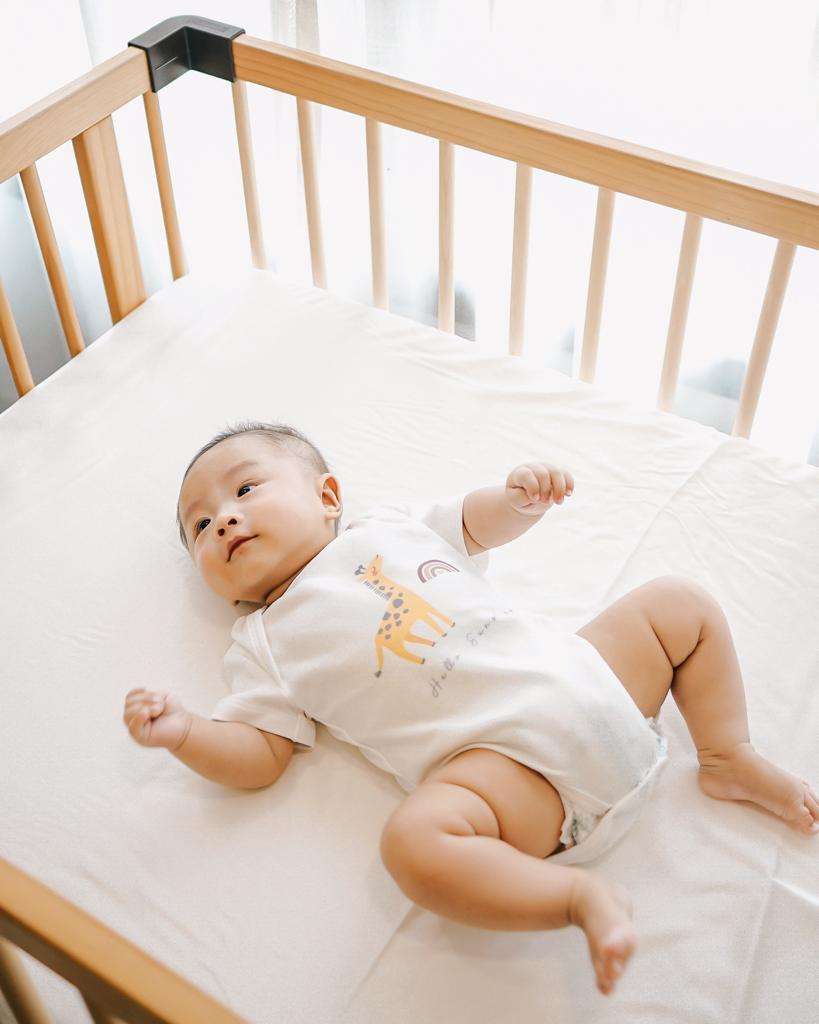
point(611, 970)
point(810, 808)
point(811, 794)
point(808, 821)
point(616, 953)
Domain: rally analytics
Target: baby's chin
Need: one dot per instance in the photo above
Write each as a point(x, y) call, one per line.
point(245, 599)
point(235, 602)
point(250, 601)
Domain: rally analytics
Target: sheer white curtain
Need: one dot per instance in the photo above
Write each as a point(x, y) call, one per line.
point(735, 85)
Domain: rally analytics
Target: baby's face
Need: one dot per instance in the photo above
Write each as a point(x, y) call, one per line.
point(287, 511)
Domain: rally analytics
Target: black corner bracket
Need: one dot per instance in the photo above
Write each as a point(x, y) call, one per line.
point(188, 43)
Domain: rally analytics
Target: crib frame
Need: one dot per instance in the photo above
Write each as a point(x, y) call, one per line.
point(116, 979)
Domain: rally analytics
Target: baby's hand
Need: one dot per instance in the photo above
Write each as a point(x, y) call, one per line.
point(156, 719)
point(534, 487)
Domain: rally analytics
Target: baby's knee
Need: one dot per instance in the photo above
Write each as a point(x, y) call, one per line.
point(411, 839)
point(684, 590)
point(406, 850)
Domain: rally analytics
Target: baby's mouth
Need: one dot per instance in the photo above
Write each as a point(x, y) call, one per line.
point(236, 547)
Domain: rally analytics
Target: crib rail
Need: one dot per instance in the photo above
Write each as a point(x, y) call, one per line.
point(788, 214)
point(117, 980)
point(81, 112)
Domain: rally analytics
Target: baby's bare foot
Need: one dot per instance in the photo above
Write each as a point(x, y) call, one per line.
point(743, 774)
point(603, 910)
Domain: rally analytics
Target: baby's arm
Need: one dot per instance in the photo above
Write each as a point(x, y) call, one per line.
point(231, 753)
point(495, 515)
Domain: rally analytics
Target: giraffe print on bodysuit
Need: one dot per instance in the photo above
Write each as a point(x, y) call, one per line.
point(404, 609)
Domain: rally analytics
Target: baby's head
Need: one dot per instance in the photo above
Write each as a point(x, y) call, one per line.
point(265, 481)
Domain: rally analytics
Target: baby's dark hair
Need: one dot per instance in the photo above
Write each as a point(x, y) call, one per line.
point(283, 437)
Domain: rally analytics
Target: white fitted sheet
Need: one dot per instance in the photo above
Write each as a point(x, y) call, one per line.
point(276, 901)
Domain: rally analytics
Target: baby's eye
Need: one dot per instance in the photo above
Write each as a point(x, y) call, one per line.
point(242, 488)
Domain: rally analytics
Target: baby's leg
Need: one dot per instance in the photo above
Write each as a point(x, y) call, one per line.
point(670, 633)
point(443, 847)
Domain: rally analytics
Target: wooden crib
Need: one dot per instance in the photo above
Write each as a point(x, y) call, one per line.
point(116, 979)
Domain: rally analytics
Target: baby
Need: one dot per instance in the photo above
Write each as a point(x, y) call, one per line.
point(523, 751)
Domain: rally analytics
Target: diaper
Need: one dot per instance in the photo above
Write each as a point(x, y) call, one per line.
point(579, 824)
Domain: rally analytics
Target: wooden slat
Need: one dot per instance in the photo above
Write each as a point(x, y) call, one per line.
point(378, 245)
point(724, 195)
point(13, 347)
point(176, 250)
point(64, 114)
point(520, 258)
point(597, 284)
point(766, 328)
point(51, 258)
point(104, 188)
point(243, 135)
point(98, 1015)
point(18, 988)
point(309, 169)
point(679, 311)
point(111, 972)
point(446, 237)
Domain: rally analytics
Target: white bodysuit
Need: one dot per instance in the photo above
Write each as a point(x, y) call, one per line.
point(394, 638)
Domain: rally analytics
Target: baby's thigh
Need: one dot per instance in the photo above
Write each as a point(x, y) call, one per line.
point(497, 796)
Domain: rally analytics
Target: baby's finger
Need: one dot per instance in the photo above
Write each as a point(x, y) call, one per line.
point(138, 718)
point(135, 723)
point(530, 483)
point(155, 709)
point(144, 720)
point(543, 484)
point(147, 715)
point(134, 706)
point(132, 709)
point(558, 484)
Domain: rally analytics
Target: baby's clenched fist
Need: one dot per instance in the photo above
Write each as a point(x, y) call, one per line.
point(533, 487)
point(156, 719)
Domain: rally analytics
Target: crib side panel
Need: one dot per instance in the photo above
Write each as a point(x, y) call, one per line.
point(117, 980)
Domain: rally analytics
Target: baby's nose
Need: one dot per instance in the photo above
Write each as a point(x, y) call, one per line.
point(222, 529)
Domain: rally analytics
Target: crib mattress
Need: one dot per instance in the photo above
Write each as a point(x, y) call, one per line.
point(276, 901)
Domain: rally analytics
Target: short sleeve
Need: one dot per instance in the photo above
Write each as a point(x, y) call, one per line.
point(445, 516)
point(257, 696)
